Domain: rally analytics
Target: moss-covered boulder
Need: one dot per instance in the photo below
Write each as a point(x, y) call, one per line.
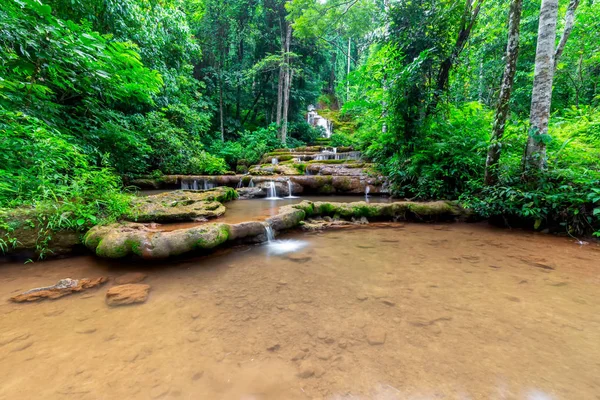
point(28, 230)
point(128, 238)
point(396, 211)
point(181, 205)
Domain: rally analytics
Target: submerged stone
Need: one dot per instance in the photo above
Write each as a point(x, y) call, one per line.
point(127, 294)
point(63, 288)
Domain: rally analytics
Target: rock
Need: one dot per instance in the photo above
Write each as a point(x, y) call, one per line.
point(362, 297)
point(274, 347)
point(64, 287)
point(342, 344)
point(131, 277)
point(123, 239)
point(197, 375)
point(26, 226)
point(306, 370)
point(299, 258)
point(376, 336)
point(247, 193)
point(181, 205)
point(388, 303)
point(127, 294)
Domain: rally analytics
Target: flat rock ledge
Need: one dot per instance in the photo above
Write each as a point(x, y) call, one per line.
point(181, 205)
point(135, 239)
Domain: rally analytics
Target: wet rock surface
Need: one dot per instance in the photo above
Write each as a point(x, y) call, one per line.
point(127, 294)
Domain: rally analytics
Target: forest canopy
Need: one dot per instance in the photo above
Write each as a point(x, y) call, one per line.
point(468, 100)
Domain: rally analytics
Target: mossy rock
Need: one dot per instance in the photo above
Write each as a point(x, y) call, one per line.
point(126, 239)
point(26, 230)
point(181, 205)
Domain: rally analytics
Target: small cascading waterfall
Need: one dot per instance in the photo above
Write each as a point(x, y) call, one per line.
point(185, 185)
point(274, 161)
point(240, 184)
point(269, 232)
point(194, 185)
point(290, 192)
point(251, 183)
point(367, 190)
point(271, 191)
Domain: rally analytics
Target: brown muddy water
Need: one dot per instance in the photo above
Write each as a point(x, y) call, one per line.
point(392, 312)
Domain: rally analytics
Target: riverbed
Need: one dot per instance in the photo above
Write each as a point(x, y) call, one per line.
point(392, 311)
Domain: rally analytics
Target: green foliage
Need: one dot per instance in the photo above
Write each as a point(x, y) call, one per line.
point(450, 154)
point(43, 169)
point(250, 146)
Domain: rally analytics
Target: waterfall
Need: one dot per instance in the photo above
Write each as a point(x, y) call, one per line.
point(251, 184)
point(185, 185)
point(367, 191)
point(274, 161)
point(195, 185)
point(240, 184)
point(269, 232)
point(290, 192)
point(272, 191)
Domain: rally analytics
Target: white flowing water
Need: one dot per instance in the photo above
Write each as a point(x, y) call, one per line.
point(251, 184)
point(194, 185)
point(314, 119)
point(279, 247)
point(367, 191)
point(290, 191)
point(240, 184)
point(274, 161)
point(272, 191)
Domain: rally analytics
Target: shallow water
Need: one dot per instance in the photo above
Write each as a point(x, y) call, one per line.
point(463, 311)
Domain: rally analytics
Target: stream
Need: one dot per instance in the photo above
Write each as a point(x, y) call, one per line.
point(404, 311)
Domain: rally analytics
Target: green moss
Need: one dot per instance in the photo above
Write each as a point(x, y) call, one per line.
point(134, 246)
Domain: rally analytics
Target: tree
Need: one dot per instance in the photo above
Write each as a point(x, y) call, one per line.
point(541, 97)
point(503, 107)
point(569, 22)
point(469, 17)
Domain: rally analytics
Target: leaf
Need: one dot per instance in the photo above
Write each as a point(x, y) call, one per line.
point(80, 221)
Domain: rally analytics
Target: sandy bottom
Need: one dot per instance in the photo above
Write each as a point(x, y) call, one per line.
point(398, 312)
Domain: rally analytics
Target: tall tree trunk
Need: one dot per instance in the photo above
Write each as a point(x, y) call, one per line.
point(280, 84)
point(541, 96)
point(502, 109)
point(287, 84)
point(466, 26)
point(569, 22)
point(348, 70)
point(221, 108)
point(331, 86)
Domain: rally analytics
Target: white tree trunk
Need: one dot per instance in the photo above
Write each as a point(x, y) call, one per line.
point(569, 22)
point(541, 96)
point(287, 85)
point(512, 51)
